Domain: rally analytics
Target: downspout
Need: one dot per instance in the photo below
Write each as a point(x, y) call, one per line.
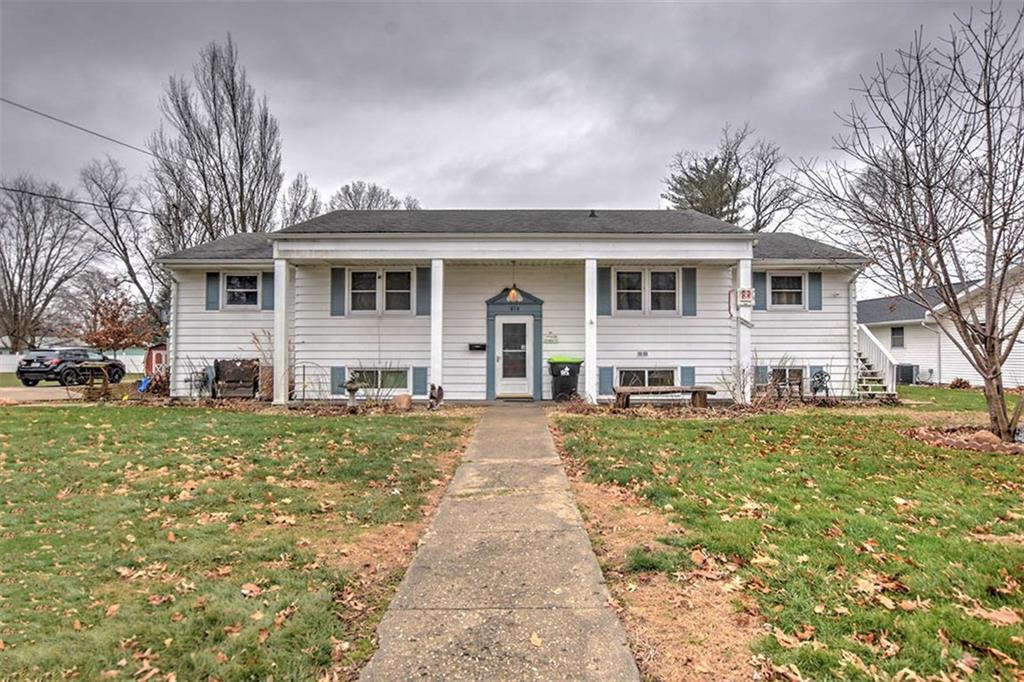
point(938, 351)
point(172, 337)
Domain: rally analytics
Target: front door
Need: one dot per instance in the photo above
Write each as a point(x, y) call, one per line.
point(514, 356)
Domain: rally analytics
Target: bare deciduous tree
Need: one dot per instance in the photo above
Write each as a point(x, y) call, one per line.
point(218, 155)
point(738, 182)
point(775, 197)
point(121, 229)
point(300, 202)
point(935, 190)
point(369, 196)
point(41, 249)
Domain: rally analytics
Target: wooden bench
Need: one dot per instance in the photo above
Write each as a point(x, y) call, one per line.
point(698, 394)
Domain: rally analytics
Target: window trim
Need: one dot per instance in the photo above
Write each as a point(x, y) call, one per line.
point(903, 337)
point(405, 370)
point(224, 305)
point(380, 292)
point(787, 306)
point(646, 291)
point(617, 379)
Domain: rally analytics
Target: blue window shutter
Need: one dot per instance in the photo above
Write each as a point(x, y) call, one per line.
point(760, 291)
point(604, 291)
point(814, 369)
point(422, 291)
point(213, 291)
point(605, 385)
point(337, 291)
point(761, 374)
point(689, 291)
point(268, 291)
point(338, 381)
point(814, 291)
point(687, 376)
point(419, 381)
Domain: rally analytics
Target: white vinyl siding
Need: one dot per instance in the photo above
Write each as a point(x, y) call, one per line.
point(207, 335)
point(706, 341)
point(467, 287)
point(798, 337)
point(359, 340)
point(401, 341)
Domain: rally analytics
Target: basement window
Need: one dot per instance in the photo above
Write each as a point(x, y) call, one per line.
point(647, 377)
point(241, 290)
point(382, 378)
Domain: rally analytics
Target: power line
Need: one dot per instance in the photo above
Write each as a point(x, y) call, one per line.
point(76, 201)
point(78, 127)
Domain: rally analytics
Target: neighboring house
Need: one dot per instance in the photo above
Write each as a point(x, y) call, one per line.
point(919, 342)
point(412, 298)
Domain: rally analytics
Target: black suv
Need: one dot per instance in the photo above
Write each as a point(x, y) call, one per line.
point(66, 366)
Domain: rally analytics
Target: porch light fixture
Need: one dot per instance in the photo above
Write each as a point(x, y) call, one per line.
point(513, 295)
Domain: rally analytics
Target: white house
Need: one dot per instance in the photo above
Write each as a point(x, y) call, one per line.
point(919, 342)
point(413, 298)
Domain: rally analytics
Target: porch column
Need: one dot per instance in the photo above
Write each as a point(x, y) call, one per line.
point(436, 322)
point(744, 279)
point(590, 387)
point(282, 298)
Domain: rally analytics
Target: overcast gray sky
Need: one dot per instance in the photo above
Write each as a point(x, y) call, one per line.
point(461, 105)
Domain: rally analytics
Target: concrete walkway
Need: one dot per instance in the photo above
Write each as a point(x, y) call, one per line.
point(505, 585)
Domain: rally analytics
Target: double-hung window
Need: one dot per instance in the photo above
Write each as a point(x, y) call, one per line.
point(241, 290)
point(629, 290)
point(897, 337)
point(365, 287)
point(647, 377)
point(642, 291)
point(398, 290)
point(364, 290)
point(664, 291)
point(787, 290)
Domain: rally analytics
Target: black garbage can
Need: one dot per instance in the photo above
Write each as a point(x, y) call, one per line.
point(565, 377)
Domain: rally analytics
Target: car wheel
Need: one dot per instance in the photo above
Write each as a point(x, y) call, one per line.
point(29, 382)
point(70, 377)
point(115, 375)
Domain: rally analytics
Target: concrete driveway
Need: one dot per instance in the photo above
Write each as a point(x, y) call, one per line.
point(36, 394)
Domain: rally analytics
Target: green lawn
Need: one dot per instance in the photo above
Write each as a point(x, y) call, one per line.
point(947, 399)
point(856, 542)
point(187, 539)
point(10, 380)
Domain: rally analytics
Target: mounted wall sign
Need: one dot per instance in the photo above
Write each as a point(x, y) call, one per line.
point(478, 346)
point(745, 297)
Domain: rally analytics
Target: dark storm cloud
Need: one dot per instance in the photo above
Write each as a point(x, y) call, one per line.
point(462, 105)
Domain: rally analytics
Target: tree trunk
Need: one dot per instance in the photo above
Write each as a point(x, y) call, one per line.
point(998, 414)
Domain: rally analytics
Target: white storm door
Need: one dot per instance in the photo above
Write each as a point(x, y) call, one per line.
point(514, 355)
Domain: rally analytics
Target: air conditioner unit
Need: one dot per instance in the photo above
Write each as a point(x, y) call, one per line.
point(907, 374)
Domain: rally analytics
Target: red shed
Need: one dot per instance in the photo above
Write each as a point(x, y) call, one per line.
point(156, 358)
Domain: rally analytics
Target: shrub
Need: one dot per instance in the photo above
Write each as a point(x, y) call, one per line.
point(959, 383)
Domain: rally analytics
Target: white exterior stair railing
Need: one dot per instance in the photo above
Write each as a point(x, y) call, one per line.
point(879, 357)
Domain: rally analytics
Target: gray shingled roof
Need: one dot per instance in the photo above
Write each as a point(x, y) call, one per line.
point(514, 221)
point(897, 308)
point(257, 246)
point(787, 246)
point(244, 246)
